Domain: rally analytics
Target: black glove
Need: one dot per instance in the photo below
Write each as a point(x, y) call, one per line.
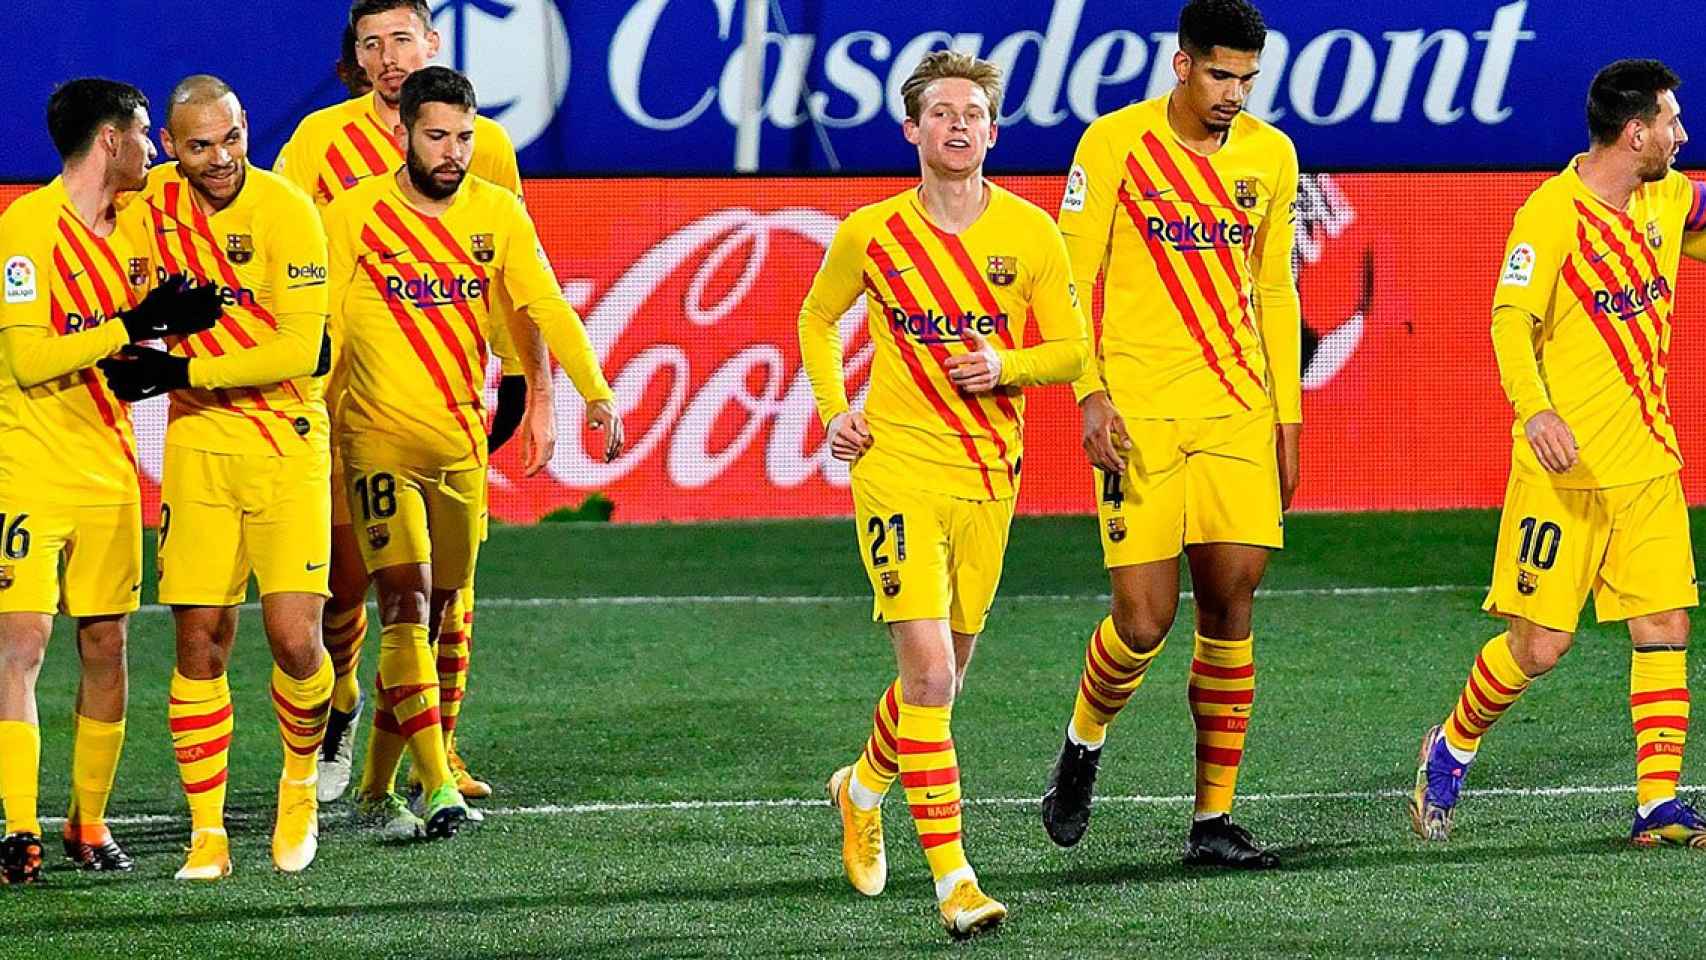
point(138, 373)
point(512, 403)
point(174, 309)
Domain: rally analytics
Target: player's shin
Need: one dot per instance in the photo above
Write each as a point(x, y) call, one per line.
point(200, 718)
point(878, 764)
point(1112, 673)
point(302, 706)
point(930, 773)
point(1222, 694)
point(20, 772)
point(345, 631)
point(1658, 707)
point(95, 749)
point(411, 692)
point(1494, 685)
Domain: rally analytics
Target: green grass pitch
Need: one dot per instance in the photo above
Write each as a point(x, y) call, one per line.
point(738, 711)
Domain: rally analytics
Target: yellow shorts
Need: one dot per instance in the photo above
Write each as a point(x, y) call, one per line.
point(930, 557)
point(1627, 545)
point(77, 560)
point(224, 516)
point(408, 515)
point(340, 502)
point(1191, 481)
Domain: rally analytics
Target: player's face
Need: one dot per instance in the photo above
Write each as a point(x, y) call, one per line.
point(955, 127)
point(1662, 139)
point(390, 46)
point(211, 144)
point(132, 152)
point(1214, 88)
point(439, 148)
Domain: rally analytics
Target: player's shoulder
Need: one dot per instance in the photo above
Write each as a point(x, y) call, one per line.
point(866, 219)
point(488, 131)
point(34, 210)
point(1555, 196)
point(478, 192)
point(1264, 136)
point(1123, 121)
point(1017, 212)
point(329, 118)
point(277, 189)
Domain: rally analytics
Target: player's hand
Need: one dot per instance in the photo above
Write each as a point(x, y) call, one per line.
point(849, 436)
point(1286, 437)
point(1552, 441)
point(602, 415)
point(1106, 441)
point(979, 369)
point(138, 373)
point(173, 309)
point(538, 437)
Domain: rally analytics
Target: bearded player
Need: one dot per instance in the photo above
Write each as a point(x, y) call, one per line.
point(1183, 205)
point(1582, 329)
point(953, 272)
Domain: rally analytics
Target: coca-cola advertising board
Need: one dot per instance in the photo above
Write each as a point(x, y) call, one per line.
point(690, 290)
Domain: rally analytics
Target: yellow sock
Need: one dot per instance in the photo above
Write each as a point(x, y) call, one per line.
point(1495, 682)
point(930, 772)
point(879, 762)
point(1658, 705)
point(201, 723)
point(1112, 673)
point(345, 631)
point(385, 745)
point(303, 707)
point(20, 775)
point(95, 749)
point(411, 693)
point(1222, 693)
point(452, 661)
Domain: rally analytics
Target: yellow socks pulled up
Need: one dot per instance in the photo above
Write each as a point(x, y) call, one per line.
point(200, 717)
point(1112, 673)
point(20, 775)
point(1222, 694)
point(302, 707)
point(1495, 683)
point(1658, 706)
point(455, 639)
point(930, 773)
point(95, 749)
point(409, 692)
point(345, 631)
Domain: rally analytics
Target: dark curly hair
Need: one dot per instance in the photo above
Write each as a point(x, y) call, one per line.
point(1233, 24)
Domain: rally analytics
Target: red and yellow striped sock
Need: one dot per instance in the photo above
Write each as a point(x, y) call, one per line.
point(303, 707)
point(452, 664)
point(345, 631)
point(200, 715)
point(385, 745)
point(1222, 694)
point(1112, 673)
point(410, 691)
point(1658, 705)
point(95, 749)
point(1495, 682)
point(20, 775)
point(879, 762)
point(930, 773)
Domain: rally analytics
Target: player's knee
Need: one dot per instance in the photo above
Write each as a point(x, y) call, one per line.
point(21, 654)
point(102, 646)
point(1538, 649)
point(1141, 630)
point(934, 686)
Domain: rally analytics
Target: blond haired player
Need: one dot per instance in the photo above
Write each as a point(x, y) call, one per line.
point(1582, 329)
point(417, 258)
point(246, 457)
point(1183, 205)
point(332, 151)
point(72, 292)
point(953, 271)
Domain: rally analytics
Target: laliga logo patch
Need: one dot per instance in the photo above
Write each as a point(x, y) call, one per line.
point(1527, 582)
point(1077, 190)
point(1003, 270)
point(1244, 193)
point(517, 54)
point(239, 247)
point(378, 535)
point(1519, 269)
point(481, 243)
point(1655, 236)
point(891, 583)
point(20, 280)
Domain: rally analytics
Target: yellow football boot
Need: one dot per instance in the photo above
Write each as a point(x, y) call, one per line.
point(969, 911)
point(862, 853)
point(210, 856)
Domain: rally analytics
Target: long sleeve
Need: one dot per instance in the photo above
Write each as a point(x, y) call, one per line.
point(1065, 348)
point(1279, 314)
point(534, 290)
point(292, 351)
point(1694, 223)
point(37, 355)
point(1086, 223)
point(837, 285)
point(1514, 330)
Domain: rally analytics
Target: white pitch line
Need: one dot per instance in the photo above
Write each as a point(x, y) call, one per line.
point(668, 806)
point(501, 603)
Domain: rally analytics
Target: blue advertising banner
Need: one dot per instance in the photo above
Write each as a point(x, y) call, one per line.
point(653, 86)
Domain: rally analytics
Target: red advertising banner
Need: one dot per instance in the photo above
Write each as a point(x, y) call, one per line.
point(690, 290)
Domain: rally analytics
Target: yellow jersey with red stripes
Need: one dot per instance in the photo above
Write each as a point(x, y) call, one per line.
point(1005, 277)
point(63, 436)
point(253, 388)
point(1200, 315)
point(1600, 284)
point(335, 149)
point(415, 295)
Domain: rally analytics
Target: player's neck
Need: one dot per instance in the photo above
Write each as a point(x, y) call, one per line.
point(388, 115)
point(417, 199)
point(954, 202)
point(1610, 181)
point(92, 193)
point(1191, 131)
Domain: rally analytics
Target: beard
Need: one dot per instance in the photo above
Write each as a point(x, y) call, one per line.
point(422, 177)
point(1655, 169)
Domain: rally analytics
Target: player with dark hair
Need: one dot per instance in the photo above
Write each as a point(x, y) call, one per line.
point(1183, 204)
point(72, 291)
point(348, 66)
point(417, 259)
point(1582, 330)
point(332, 151)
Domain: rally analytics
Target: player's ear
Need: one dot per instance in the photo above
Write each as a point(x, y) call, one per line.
point(166, 143)
point(1181, 65)
point(909, 130)
point(400, 134)
point(432, 42)
point(994, 134)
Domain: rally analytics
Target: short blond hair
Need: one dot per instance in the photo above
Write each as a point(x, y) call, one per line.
point(945, 65)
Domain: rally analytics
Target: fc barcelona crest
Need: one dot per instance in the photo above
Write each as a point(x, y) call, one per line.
point(138, 272)
point(1655, 236)
point(1527, 582)
point(1003, 270)
point(1116, 529)
point(891, 583)
point(1244, 193)
point(378, 535)
point(6, 577)
point(482, 246)
point(239, 247)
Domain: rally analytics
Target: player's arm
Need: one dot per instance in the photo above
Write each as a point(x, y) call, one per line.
point(1523, 296)
point(503, 169)
point(1279, 315)
point(1064, 349)
point(514, 377)
point(35, 354)
point(1087, 213)
point(1694, 225)
point(838, 283)
point(293, 162)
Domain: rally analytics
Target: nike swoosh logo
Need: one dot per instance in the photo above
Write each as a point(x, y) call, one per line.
point(135, 587)
point(1156, 194)
point(77, 274)
point(314, 566)
point(389, 255)
point(1596, 258)
point(897, 271)
point(934, 797)
point(163, 231)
